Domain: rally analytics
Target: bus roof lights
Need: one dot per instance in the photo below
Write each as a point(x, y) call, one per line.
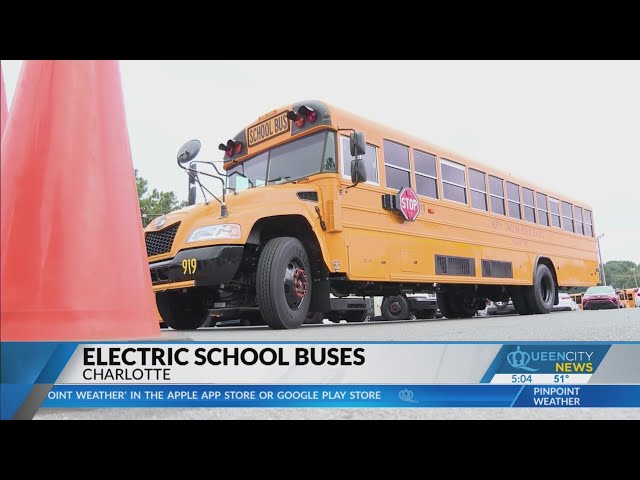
point(230, 148)
point(304, 114)
point(309, 113)
point(291, 115)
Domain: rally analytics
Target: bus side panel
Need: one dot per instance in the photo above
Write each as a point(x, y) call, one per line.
point(382, 245)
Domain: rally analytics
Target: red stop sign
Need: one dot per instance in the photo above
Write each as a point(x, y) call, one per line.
point(408, 204)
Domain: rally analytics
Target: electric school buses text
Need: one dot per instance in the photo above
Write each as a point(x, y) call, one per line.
point(376, 374)
point(155, 362)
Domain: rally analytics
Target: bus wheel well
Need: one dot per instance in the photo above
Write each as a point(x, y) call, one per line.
point(547, 261)
point(289, 226)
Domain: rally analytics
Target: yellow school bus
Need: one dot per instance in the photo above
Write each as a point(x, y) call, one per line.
point(627, 297)
point(322, 202)
point(577, 297)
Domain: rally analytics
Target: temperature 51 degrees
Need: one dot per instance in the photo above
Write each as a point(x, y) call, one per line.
point(560, 378)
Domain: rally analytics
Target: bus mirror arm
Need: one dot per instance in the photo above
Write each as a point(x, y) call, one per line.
point(223, 206)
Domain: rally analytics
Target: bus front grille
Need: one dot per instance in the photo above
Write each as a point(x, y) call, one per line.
point(160, 242)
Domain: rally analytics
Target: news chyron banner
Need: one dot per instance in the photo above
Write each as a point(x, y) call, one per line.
point(286, 374)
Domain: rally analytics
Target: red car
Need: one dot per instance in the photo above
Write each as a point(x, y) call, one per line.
point(596, 298)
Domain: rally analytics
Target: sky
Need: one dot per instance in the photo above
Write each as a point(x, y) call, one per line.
point(572, 126)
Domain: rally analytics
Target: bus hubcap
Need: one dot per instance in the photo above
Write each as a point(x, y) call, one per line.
point(394, 307)
point(295, 284)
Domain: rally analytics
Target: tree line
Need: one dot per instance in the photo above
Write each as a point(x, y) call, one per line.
point(156, 203)
point(622, 273)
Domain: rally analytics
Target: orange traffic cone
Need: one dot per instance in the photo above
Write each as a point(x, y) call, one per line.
point(4, 112)
point(73, 256)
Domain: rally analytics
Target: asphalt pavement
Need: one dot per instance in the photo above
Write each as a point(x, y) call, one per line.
point(595, 325)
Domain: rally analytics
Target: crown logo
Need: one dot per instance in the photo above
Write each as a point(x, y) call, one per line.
point(520, 360)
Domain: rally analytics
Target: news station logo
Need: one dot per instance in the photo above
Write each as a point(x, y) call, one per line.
point(549, 360)
point(520, 360)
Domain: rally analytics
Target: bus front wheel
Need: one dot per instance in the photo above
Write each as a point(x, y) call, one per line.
point(283, 283)
point(181, 311)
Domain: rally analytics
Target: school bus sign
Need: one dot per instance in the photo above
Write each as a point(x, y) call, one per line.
point(404, 203)
point(408, 204)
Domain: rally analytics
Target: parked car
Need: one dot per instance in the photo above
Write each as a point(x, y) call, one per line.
point(566, 304)
point(603, 296)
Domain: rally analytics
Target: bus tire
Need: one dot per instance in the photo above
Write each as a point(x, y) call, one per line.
point(519, 301)
point(395, 307)
point(356, 317)
point(181, 311)
point(283, 283)
point(426, 314)
point(462, 310)
point(541, 295)
point(445, 305)
point(314, 318)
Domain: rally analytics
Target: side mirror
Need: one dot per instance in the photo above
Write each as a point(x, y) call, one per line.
point(357, 144)
point(193, 175)
point(358, 171)
point(188, 152)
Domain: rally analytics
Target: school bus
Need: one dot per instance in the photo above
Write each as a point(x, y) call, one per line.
point(627, 297)
point(577, 297)
point(322, 202)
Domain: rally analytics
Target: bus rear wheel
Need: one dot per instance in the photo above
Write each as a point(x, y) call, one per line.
point(425, 314)
point(283, 283)
point(463, 309)
point(356, 317)
point(395, 307)
point(540, 296)
point(519, 301)
point(181, 311)
point(445, 304)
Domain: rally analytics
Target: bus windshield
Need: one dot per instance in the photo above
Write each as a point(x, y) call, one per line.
point(297, 159)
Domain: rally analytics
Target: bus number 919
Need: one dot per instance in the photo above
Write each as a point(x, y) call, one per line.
point(189, 266)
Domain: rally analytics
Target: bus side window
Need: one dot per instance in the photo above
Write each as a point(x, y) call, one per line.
point(588, 223)
point(543, 212)
point(426, 175)
point(478, 187)
point(579, 224)
point(454, 185)
point(496, 189)
point(554, 205)
point(396, 165)
point(513, 197)
point(528, 205)
point(567, 216)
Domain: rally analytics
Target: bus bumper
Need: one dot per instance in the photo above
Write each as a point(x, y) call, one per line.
point(197, 267)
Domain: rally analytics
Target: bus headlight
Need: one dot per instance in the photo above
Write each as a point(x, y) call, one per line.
point(215, 232)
